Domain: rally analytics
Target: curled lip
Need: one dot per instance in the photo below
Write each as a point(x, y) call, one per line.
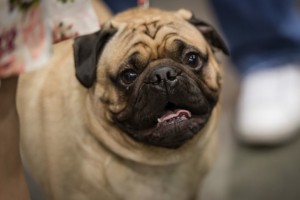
point(176, 114)
point(171, 134)
point(169, 125)
point(181, 122)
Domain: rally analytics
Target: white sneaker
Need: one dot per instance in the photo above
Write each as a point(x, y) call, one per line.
point(268, 110)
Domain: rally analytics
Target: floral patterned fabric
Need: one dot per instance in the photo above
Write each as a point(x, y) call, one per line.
point(29, 27)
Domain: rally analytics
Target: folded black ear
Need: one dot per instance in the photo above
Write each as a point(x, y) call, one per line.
point(87, 50)
point(210, 34)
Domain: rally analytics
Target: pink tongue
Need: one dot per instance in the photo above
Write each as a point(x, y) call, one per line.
point(173, 114)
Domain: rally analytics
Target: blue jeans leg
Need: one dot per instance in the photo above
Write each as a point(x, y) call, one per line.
point(260, 33)
point(120, 5)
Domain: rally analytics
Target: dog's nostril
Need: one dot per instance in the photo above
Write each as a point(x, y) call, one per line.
point(157, 79)
point(170, 76)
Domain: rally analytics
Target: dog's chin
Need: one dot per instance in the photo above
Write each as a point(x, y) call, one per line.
point(172, 130)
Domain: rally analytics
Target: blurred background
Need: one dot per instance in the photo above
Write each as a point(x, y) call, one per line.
point(241, 172)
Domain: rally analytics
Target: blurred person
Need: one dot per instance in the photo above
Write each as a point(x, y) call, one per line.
point(264, 40)
point(25, 44)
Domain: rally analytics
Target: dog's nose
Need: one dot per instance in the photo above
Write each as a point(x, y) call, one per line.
point(161, 74)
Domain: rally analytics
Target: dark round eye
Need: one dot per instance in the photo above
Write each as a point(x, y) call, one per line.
point(128, 76)
point(192, 59)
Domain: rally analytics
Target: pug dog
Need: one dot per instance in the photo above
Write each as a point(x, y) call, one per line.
point(128, 112)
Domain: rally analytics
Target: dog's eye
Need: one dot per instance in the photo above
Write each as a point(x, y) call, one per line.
point(128, 76)
point(193, 60)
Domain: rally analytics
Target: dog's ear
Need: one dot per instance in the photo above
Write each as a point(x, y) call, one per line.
point(87, 50)
point(210, 34)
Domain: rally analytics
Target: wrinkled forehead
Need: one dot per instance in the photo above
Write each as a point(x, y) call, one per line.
point(151, 36)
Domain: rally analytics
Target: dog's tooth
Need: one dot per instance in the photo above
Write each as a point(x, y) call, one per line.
point(158, 120)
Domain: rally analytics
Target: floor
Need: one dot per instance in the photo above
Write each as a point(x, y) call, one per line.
point(241, 172)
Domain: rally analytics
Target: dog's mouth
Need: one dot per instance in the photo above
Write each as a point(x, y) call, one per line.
point(171, 127)
point(172, 117)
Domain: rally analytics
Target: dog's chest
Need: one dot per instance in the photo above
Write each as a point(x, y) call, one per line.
point(124, 180)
